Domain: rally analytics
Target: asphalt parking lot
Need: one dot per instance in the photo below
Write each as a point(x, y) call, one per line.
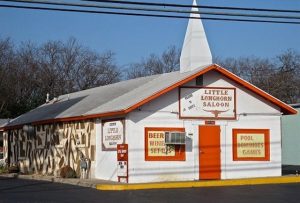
point(20, 190)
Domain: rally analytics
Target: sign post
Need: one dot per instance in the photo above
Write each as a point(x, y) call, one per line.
point(122, 158)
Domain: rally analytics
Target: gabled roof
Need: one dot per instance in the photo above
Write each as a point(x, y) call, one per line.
point(123, 97)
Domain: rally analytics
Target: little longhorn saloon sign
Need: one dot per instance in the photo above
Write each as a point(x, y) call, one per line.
point(208, 102)
point(112, 134)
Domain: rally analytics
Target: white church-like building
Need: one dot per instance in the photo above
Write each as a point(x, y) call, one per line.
point(202, 122)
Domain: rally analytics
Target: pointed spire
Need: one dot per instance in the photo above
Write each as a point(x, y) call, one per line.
point(195, 51)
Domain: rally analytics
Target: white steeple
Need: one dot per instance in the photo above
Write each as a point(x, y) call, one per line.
point(195, 51)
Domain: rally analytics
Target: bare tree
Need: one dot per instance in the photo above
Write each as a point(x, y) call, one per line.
point(279, 77)
point(167, 62)
point(29, 72)
point(7, 60)
point(70, 67)
point(286, 80)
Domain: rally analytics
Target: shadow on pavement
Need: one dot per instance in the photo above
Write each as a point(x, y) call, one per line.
point(33, 186)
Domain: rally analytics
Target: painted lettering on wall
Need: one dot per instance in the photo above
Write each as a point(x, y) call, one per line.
point(216, 98)
point(112, 134)
point(250, 145)
point(207, 102)
point(156, 144)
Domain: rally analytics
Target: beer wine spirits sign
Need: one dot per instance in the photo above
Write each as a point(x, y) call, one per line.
point(208, 102)
point(156, 144)
point(112, 134)
point(157, 150)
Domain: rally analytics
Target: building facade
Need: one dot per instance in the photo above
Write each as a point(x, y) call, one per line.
point(247, 143)
point(202, 122)
point(222, 128)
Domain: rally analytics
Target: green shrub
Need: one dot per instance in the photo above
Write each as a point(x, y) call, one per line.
point(3, 166)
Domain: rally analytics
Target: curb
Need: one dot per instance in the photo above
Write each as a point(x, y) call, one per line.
point(198, 184)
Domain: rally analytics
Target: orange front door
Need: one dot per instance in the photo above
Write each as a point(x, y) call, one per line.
point(209, 152)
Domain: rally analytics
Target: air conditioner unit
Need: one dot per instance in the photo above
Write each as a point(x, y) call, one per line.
point(175, 138)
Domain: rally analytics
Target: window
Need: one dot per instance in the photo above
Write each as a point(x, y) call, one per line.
point(251, 144)
point(156, 148)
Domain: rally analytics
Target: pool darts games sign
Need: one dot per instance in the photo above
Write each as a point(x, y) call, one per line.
point(208, 102)
point(251, 144)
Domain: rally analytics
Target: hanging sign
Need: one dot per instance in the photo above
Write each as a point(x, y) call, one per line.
point(112, 134)
point(208, 102)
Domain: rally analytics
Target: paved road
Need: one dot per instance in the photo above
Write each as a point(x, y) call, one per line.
point(18, 190)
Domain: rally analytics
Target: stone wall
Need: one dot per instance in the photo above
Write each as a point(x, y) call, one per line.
point(52, 147)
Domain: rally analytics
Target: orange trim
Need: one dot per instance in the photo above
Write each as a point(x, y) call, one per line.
point(284, 107)
point(12, 127)
point(179, 149)
point(154, 96)
point(266, 133)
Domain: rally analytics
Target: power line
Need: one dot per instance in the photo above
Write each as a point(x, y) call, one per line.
point(192, 6)
point(153, 10)
point(145, 15)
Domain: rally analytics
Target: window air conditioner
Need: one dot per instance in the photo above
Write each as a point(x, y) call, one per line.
point(175, 138)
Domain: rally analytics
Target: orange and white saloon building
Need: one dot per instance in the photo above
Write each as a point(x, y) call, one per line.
point(202, 122)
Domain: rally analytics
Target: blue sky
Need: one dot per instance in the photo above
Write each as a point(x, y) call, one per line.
point(132, 38)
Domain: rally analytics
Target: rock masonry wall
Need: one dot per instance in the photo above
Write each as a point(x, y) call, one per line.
point(53, 146)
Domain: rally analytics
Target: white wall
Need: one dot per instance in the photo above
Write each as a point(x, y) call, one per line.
point(152, 116)
point(245, 169)
point(247, 101)
point(106, 161)
point(163, 112)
